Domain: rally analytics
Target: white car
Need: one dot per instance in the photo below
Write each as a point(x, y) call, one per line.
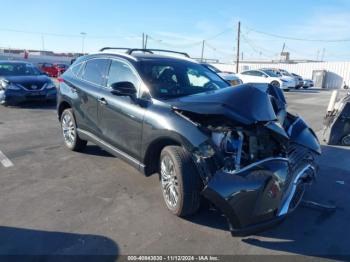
point(268, 77)
point(229, 77)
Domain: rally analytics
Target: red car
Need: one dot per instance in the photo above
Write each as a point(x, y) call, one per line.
point(53, 70)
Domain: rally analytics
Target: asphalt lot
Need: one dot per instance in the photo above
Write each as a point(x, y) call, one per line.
point(53, 201)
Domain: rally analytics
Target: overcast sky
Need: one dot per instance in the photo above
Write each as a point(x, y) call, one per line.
point(181, 25)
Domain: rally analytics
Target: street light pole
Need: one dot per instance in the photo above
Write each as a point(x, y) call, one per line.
point(83, 35)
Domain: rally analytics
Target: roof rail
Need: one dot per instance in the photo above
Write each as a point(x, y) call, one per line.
point(129, 51)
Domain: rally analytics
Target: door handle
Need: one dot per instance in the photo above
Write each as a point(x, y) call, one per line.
point(102, 101)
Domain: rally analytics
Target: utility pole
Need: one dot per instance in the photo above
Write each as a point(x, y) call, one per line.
point(143, 40)
point(318, 55)
point(202, 56)
point(146, 41)
point(42, 43)
point(83, 35)
point(238, 43)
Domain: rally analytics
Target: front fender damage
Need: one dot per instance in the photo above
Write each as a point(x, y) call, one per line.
point(260, 195)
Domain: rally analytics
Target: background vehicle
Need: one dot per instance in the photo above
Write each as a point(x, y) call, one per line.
point(229, 77)
point(299, 80)
point(265, 76)
point(53, 70)
point(308, 83)
point(238, 147)
point(20, 81)
point(337, 121)
point(284, 74)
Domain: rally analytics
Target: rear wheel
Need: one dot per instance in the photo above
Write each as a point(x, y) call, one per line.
point(180, 181)
point(275, 84)
point(346, 140)
point(69, 130)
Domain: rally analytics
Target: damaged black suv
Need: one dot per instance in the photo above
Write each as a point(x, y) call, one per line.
point(237, 147)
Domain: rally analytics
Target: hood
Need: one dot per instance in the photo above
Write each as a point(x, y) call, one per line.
point(288, 78)
point(40, 79)
point(247, 104)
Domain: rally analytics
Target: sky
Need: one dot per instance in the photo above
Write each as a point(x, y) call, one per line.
point(182, 25)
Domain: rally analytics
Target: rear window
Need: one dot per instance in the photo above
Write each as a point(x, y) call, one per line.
point(96, 71)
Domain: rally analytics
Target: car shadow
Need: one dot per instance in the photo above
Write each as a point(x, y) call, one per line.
point(308, 231)
point(36, 245)
point(311, 91)
point(49, 105)
point(94, 150)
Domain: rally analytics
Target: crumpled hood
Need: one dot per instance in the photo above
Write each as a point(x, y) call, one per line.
point(247, 104)
point(39, 80)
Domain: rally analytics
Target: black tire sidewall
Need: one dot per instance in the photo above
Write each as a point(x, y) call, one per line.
point(189, 187)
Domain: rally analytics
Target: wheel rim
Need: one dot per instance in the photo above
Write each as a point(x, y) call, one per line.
point(68, 128)
point(275, 84)
point(169, 182)
point(346, 140)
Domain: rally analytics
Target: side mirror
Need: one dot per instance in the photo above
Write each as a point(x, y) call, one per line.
point(123, 89)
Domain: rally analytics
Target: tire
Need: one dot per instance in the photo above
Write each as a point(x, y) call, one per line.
point(69, 131)
point(345, 140)
point(275, 84)
point(181, 175)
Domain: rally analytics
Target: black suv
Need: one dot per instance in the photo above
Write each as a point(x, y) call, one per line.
point(167, 114)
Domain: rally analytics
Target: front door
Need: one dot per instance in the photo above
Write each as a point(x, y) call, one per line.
point(121, 117)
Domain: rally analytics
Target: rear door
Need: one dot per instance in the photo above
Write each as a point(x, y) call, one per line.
point(88, 89)
point(121, 117)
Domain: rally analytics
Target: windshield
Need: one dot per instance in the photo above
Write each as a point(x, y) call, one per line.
point(18, 69)
point(171, 79)
point(61, 66)
point(270, 73)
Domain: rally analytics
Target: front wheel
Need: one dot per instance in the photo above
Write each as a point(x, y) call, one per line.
point(69, 130)
point(180, 181)
point(276, 84)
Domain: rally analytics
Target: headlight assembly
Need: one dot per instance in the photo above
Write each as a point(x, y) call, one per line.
point(50, 86)
point(204, 150)
point(12, 87)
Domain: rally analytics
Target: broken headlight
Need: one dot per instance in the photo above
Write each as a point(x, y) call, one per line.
point(204, 150)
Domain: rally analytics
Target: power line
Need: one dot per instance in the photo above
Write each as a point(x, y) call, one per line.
point(296, 38)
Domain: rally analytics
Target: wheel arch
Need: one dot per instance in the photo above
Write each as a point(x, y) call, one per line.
point(62, 106)
point(153, 151)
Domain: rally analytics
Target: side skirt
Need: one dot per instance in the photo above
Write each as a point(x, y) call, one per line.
point(85, 135)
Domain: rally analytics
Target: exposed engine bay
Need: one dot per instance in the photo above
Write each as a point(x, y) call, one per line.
point(257, 158)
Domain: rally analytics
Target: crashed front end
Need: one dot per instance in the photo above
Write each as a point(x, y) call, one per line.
point(255, 172)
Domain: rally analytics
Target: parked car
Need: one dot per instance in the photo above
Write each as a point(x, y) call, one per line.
point(337, 121)
point(299, 80)
point(237, 147)
point(229, 77)
point(21, 81)
point(53, 70)
point(308, 83)
point(285, 75)
point(266, 76)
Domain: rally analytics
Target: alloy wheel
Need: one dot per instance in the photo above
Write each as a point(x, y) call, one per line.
point(169, 182)
point(68, 128)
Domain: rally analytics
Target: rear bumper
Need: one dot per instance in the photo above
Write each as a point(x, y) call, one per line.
point(260, 195)
point(15, 97)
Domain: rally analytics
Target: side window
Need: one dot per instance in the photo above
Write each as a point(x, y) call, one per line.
point(121, 72)
point(96, 70)
point(248, 73)
point(257, 73)
point(77, 69)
